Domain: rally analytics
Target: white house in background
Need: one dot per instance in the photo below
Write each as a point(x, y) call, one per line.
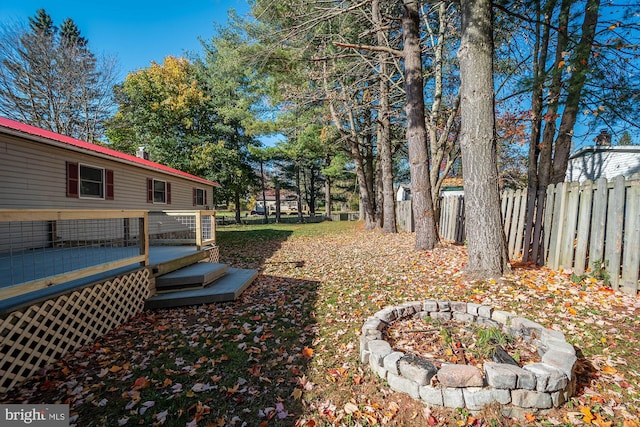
point(450, 187)
point(601, 161)
point(403, 193)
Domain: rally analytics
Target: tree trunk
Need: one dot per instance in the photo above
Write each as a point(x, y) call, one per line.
point(369, 167)
point(298, 191)
point(312, 195)
point(440, 120)
point(278, 210)
point(236, 197)
point(366, 199)
point(422, 203)
point(535, 193)
point(580, 65)
point(379, 195)
point(483, 222)
point(384, 129)
point(327, 197)
point(264, 194)
point(548, 134)
point(367, 202)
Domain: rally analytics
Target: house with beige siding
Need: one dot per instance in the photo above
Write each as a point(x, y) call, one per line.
point(42, 169)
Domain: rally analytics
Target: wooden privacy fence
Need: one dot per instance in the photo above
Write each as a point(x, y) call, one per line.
point(583, 225)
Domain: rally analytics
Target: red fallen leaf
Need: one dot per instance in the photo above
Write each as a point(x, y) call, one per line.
point(337, 372)
point(307, 352)
point(48, 385)
point(432, 421)
point(141, 383)
point(255, 370)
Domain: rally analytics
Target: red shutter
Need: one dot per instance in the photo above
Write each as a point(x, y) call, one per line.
point(195, 196)
point(72, 179)
point(168, 193)
point(108, 174)
point(149, 190)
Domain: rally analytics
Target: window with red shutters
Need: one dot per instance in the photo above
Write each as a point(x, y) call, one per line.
point(199, 196)
point(158, 191)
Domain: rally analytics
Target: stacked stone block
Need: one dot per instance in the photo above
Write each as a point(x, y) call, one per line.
point(534, 386)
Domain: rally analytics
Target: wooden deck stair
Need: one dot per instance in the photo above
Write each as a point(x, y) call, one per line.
point(200, 283)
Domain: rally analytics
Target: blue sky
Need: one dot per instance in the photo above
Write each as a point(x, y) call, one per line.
point(136, 32)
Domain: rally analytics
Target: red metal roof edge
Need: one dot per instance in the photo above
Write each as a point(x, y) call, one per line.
point(117, 155)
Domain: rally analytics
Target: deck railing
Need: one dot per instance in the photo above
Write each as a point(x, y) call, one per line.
point(197, 227)
point(40, 248)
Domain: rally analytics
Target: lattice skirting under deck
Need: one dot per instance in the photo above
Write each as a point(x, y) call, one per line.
point(40, 334)
point(214, 254)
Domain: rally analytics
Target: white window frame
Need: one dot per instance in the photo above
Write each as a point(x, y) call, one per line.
point(155, 202)
point(200, 196)
point(81, 195)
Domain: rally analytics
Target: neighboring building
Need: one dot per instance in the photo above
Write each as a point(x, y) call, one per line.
point(450, 187)
point(288, 203)
point(40, 169)
point(603, 161)
point(403, 193)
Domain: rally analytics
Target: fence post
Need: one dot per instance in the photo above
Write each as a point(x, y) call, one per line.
point(521, 224)
point(555, 239)
point(631, 261)
point(506, 218)
point(584, 220)
point(569, 225)
point(598, 222)
point(613, 241)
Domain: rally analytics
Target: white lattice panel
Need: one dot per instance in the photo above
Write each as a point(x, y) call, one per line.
point(44, 332)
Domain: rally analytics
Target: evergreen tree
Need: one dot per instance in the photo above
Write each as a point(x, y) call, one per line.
point(49, 78)
point(625, 139)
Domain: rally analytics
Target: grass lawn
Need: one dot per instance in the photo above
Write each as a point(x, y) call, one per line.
point(286, 353)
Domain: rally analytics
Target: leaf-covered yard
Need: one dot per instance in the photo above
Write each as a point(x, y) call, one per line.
point(286, 353)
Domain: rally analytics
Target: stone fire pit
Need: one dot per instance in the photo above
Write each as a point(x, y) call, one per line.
point(534, 386)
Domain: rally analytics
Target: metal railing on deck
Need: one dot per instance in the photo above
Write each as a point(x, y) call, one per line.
point(197, 227)
point(45, 247)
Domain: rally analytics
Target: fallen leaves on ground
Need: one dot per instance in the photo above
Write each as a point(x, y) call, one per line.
point(287, 353)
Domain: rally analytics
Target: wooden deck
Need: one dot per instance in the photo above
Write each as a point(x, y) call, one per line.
point(164, 261)
point(36, 264)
